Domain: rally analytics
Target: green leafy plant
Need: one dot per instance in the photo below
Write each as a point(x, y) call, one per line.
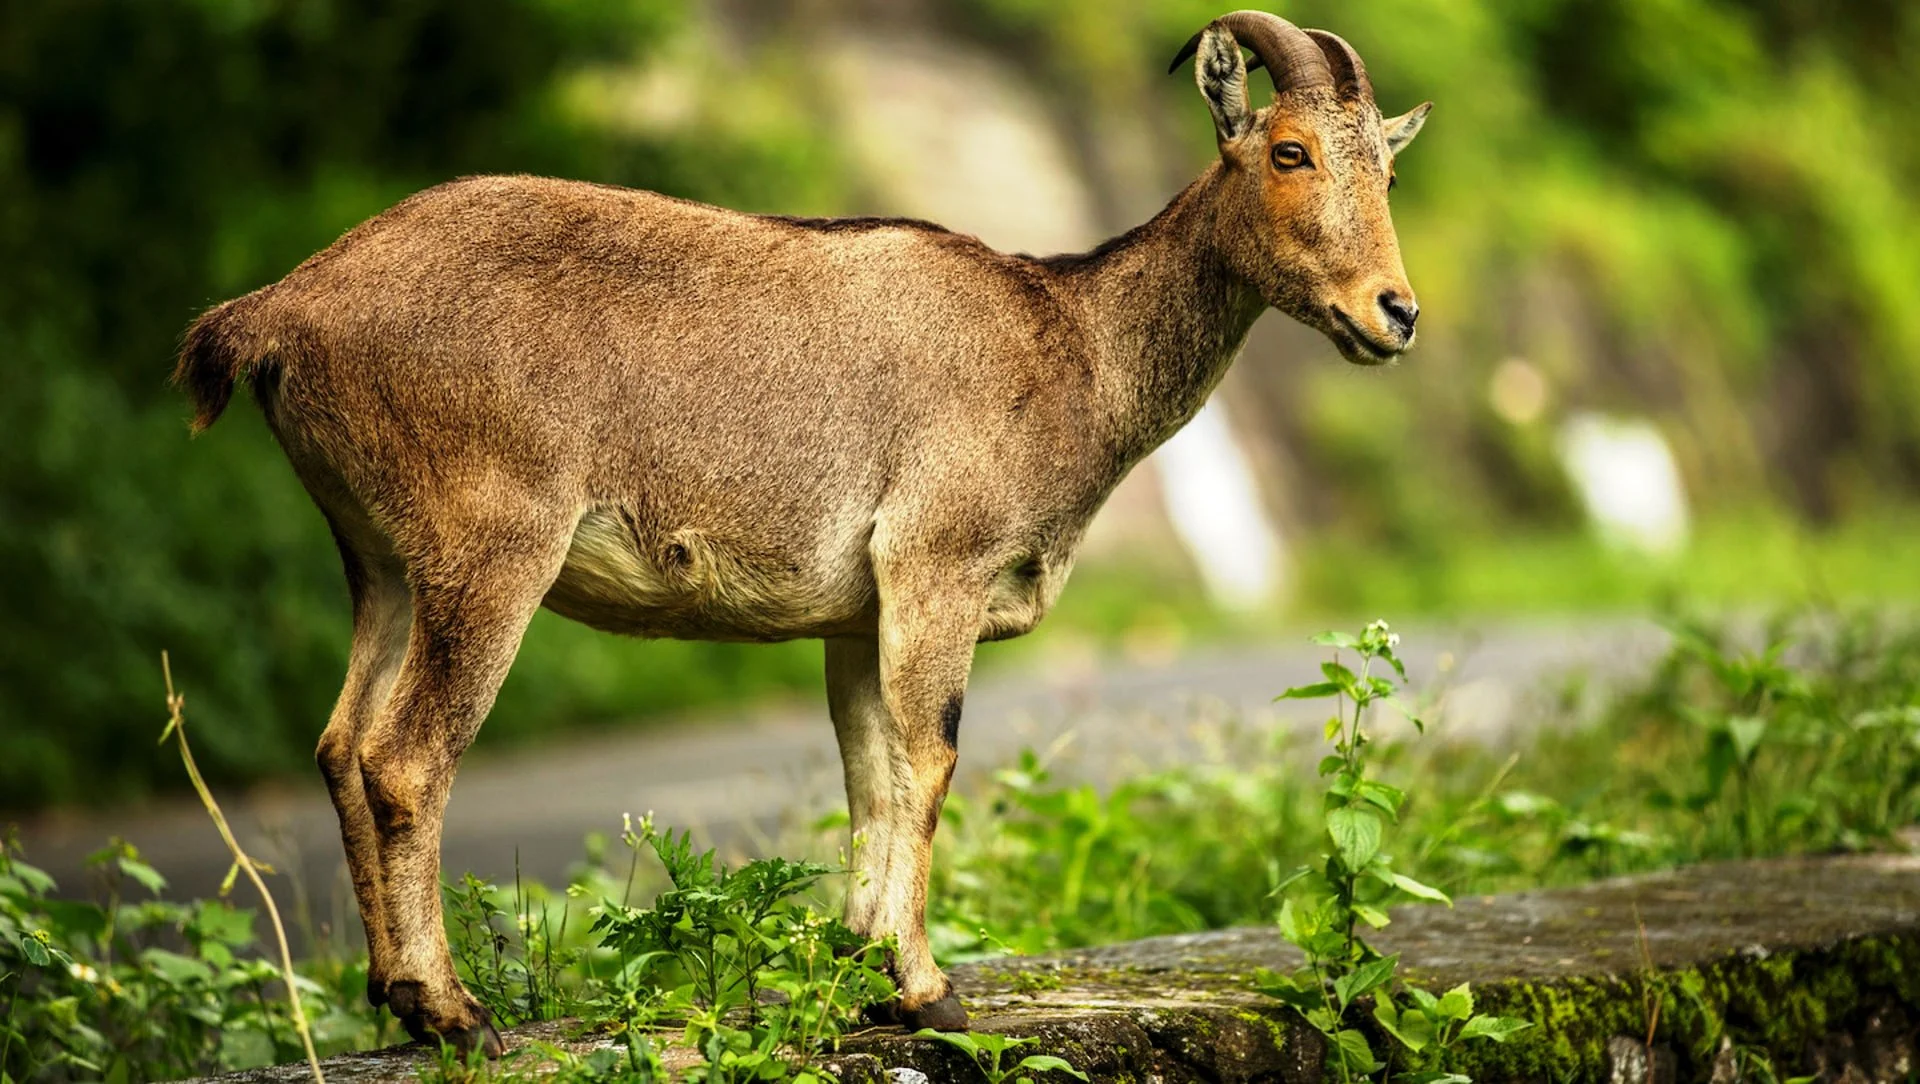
point(635, 1061)
point(988, 1053)
point(1058, 864)
point(135, 986)
point(1436, 1025)
point(761, 983)
point(1756, 694)
point(1326, 904)
point(515, 958)
point(139, 987)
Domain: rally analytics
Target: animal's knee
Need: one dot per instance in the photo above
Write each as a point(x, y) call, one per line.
point(394, 791)
point(335, 756)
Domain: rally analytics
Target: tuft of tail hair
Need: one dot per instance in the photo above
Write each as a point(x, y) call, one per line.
point(224, 346)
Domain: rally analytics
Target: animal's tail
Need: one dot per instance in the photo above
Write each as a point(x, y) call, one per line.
point(223, 346)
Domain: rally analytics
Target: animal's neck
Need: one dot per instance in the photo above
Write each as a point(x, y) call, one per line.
point(1165, 317)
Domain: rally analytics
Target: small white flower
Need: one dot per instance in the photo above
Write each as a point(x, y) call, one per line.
point(83, 972)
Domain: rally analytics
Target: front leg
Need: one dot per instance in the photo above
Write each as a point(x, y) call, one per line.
point(868, 753)
point(930, 614)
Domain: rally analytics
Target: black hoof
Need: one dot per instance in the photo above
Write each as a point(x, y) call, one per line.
point(406, 999)
point(945, 1014)
point(477, 1032)
point(482, 1036)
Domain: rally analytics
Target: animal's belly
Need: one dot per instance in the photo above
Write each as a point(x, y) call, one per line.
point(1023, 593)
point(697, 585)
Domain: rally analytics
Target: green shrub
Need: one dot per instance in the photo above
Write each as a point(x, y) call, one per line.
point(140, 988)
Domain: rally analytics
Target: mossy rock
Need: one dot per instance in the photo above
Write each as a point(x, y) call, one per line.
point(1812, 964)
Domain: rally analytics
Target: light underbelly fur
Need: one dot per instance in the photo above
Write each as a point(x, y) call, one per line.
point(691, 584)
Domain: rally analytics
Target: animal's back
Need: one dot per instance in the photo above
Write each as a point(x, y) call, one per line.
point(719, 392)
point(596, 302)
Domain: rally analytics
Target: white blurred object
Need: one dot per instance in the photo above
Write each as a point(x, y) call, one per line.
point(1215, 509)
point(1627, 479)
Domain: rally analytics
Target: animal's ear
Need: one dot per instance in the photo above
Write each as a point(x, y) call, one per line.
point(1222, 76)
point(1400, 130)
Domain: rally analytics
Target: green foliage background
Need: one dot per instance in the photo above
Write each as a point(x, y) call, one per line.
point(1695, 210)
point(158, 157)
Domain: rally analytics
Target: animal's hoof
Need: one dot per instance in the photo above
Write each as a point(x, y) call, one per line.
point(945, 1014)
point(882, 1013)
point(481, 1036)
point(469, 1030)
point(406, 999)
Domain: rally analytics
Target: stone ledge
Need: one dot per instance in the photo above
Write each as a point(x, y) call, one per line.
point(1815, 962)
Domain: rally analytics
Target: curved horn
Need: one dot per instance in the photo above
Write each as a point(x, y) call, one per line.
point(1349, 75)
point(1288, 53)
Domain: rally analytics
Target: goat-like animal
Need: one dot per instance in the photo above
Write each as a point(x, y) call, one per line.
point(668, 419)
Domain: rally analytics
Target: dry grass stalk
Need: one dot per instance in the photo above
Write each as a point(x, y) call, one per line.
point(177, 728)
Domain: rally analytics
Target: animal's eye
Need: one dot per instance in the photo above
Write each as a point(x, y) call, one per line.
point(1290, 155)
point(1392, 183)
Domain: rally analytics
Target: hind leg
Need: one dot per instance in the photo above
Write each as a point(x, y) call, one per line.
point(470, 609)
point(382, 610)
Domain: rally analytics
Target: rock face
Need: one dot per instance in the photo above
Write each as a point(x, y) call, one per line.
point(1812, 964)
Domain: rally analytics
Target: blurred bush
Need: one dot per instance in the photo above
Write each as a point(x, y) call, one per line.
point(1698, 211)
point(158, 156)
point(1693, 210)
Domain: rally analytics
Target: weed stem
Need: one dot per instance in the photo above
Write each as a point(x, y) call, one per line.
point(177, 727)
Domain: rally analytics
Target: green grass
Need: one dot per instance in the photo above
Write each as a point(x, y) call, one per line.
point(1688, 776)
point(1755, 559)
point(1723, 752)
point(1747, 561)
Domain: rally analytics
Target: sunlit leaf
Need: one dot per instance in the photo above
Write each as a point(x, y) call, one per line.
point(1411, 1029)
point(1047, 1063)
point(1456, 1004)
point(1364, 979)
point(1417, 889)
point(1497, 1028)
point(1746, 732)
point(1387, 797)
point(1371, 915)
point(1317, 691)
point(1356, 832)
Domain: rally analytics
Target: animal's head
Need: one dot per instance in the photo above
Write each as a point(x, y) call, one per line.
point(1305, 216)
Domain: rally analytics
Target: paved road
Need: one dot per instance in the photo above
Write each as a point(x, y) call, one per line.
point(739, 776)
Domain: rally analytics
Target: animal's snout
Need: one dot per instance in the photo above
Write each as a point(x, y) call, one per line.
point(1401, 311)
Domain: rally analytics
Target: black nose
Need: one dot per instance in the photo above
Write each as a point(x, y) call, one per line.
point(1401, 312)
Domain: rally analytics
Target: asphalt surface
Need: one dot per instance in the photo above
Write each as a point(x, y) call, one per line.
point(738, 777)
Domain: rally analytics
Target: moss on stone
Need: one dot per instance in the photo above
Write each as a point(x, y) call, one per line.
point(1813, 963)
point(1784, 1005)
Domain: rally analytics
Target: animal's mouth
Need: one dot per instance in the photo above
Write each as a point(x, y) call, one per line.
point(1364, 348)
